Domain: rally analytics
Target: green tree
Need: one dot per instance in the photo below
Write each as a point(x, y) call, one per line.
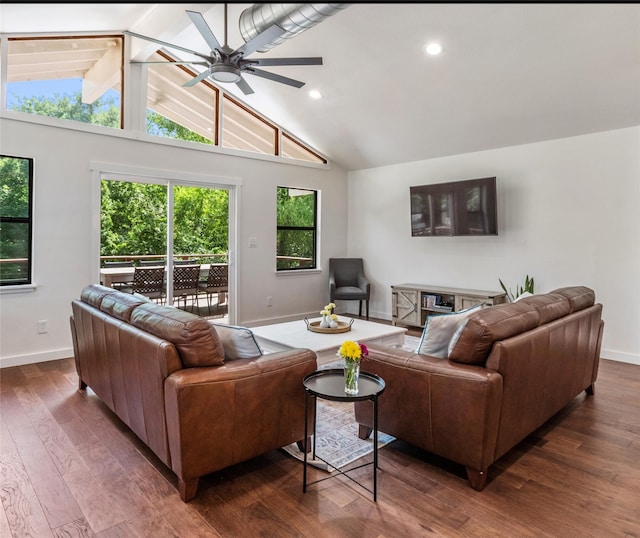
point(159, 125)
point(103, 111)
point(133, 218)
point(201, 218)
point(14, 187)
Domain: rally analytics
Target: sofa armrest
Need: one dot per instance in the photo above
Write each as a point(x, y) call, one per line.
point(447, 408)
point(221, 415)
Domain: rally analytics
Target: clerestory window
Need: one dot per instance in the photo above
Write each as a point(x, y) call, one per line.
point(80, 78)
point(72, 78)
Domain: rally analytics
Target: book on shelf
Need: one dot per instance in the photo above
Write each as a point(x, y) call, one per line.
point(429, 301)
point(441, 308)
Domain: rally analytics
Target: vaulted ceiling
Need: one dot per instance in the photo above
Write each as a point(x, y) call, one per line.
point(510, 73)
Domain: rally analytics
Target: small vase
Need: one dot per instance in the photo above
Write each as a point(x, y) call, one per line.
point(351, 373)
point(333, 324)
point(324, 323)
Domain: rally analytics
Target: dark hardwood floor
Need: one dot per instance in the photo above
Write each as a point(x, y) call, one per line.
point(69, 467)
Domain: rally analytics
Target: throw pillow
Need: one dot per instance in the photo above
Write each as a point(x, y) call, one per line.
point(439, 330)
point(238, 342)
point(196, 342)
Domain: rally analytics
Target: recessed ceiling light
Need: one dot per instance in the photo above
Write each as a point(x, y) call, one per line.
point(315, 94)
point(434, 49)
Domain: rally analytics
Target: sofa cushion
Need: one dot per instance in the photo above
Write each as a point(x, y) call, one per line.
point(439, 330)
point(94, 293)
point(238, 342)
point(550, 306)
point(489, 325)
point(196, 342)
point(580, 297)
point(120, 305)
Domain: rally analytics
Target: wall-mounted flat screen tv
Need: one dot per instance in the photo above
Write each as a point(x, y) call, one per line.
point(455, 208)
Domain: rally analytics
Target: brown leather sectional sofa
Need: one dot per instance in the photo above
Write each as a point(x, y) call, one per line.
point(163, 372)
point(512, 368)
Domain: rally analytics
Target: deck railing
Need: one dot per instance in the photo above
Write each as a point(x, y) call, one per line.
point(161, 258)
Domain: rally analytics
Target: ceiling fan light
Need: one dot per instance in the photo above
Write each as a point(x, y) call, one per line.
point(225, 73)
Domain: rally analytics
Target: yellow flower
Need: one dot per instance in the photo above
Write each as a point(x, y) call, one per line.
point(324, 312)
point(350, 350)
point(334, 316)
point(330, 306)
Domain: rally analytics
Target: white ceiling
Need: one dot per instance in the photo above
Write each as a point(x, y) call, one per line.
point(510, 74)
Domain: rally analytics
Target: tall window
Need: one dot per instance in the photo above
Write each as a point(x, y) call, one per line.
point(16, 188)
point(297, 229)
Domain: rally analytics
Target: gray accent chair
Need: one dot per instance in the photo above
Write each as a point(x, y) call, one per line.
point(347, 282)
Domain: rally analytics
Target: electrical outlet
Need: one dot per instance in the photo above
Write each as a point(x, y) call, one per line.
point(43, 326)
point(269, 300)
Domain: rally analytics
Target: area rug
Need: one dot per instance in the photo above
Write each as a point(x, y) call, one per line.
point(337, 440)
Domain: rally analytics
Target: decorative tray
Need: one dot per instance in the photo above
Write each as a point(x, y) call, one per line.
point(314, 326)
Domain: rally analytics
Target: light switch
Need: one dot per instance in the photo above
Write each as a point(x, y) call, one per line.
point(253, 242)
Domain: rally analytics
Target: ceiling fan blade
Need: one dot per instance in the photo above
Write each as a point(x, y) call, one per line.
point(198, 21)
point(275, 78)
point(164, 43)
point(287, 61)
point(176, 62)
point(244, 86)
point(260, 40)
point(197, 79)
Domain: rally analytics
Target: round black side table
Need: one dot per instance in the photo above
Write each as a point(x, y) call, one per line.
point(329, 385)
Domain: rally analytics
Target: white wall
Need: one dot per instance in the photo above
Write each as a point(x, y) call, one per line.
point(567, 215)
point(63, 230)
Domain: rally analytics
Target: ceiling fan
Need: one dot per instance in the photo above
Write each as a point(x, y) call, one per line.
point(226, 65)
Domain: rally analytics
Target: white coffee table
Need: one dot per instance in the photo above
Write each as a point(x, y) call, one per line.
point(293, 334)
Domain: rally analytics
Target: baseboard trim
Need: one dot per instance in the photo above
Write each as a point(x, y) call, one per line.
point(620, 356)
point(21, 360)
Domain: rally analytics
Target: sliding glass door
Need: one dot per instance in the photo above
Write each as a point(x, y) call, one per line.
point(167, 223)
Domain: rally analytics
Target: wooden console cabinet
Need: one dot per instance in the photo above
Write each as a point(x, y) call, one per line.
point(412, 303)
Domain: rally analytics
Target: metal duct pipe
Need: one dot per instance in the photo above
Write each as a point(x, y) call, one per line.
point(292, 18)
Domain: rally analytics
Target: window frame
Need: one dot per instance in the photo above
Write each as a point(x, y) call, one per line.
point(28, 220)
point(313, 229)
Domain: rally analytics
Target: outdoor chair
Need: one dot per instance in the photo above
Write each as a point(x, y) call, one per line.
point(217, 283)
point(185, 283)
point(347, 282)
point(149, 281)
